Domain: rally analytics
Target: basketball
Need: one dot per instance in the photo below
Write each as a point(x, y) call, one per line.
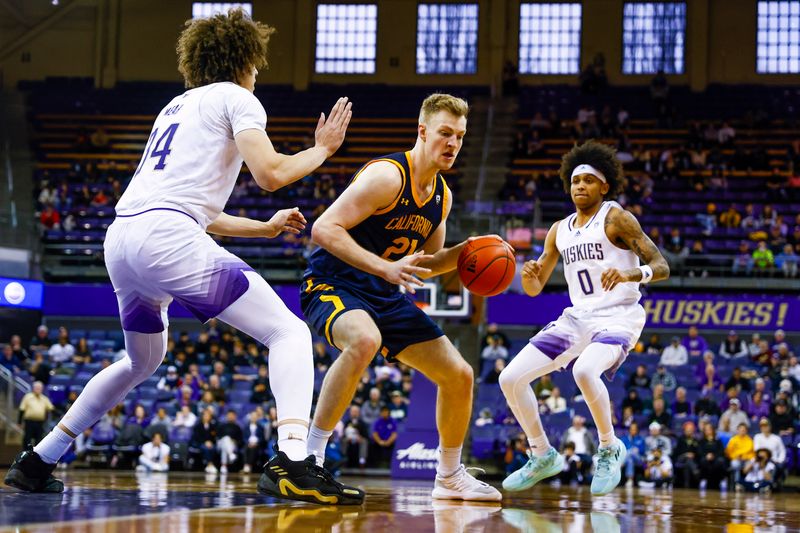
point(486, 266)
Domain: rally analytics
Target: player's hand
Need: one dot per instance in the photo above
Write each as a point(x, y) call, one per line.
point(402, 272)
point(612, 277)
point(288, 220)
point(330, 132)
point(498, 237)
point(531, 269)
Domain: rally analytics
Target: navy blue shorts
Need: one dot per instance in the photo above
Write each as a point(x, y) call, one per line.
point(399, 320)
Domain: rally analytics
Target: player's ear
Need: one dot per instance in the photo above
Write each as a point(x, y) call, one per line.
point(422, 131)
point(604, 188)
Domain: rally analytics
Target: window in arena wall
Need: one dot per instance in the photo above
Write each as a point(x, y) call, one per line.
point(549, 38)
point(778, 38)
point(447, 38)
point(346, 38)
point(206, 9)
point(653, 37)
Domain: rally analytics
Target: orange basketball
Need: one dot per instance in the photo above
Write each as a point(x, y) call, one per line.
point(486, 266)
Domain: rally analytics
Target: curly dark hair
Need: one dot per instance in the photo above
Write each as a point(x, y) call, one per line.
point(222, 48)
point(600, 156)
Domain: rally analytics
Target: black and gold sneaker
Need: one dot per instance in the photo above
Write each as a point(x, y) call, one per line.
point(29, 473)
point(305, 481)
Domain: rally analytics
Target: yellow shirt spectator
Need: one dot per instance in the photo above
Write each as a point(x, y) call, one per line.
point(740, 447)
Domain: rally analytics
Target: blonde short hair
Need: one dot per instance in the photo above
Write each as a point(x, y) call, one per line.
point(442, 102)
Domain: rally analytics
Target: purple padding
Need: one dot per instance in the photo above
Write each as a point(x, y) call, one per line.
point(142, 316)
point(551, 345)
point(227, 284)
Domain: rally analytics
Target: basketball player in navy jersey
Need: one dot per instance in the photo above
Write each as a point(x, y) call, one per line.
point(387, 230)
point(602, 246)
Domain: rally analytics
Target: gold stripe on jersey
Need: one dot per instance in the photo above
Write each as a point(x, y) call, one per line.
point(402, 186)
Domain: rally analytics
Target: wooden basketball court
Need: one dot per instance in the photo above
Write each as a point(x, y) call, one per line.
point(103, 501)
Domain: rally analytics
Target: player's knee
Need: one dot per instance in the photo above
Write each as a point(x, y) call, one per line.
point(364, 345)
point(583, 374)
point(463, 375)
point(507, 381)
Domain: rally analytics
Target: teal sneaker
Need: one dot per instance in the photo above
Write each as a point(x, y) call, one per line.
point(535, 470)
point(609, 467)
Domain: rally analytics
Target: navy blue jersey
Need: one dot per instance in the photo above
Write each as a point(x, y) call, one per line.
point(394, 232)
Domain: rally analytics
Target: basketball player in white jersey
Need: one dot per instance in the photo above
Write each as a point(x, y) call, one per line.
point(602, 246)
point(158, 250)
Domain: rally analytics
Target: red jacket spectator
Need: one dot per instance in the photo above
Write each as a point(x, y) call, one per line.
point(50, 218)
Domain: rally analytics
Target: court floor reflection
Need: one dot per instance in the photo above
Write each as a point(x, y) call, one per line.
point(116, 501)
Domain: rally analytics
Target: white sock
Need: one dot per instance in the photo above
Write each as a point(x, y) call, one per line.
point(449, 461)
point(53, 446)
point(317, 442)
point(606, 439)
point(292, 441)
point(540, 445)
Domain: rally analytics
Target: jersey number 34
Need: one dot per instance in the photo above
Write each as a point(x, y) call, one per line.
point(159, 149)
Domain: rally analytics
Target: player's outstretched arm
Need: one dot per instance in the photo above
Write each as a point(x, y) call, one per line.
point(376, 188)
point(535, 274)
point(285, 220)
point(272, 170)
point(624, 230)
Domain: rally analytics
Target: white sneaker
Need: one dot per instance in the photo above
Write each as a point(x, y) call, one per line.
point(211, 469)
point(141, 468)
point(223, 469)
point(462, 486)
point(247, 469)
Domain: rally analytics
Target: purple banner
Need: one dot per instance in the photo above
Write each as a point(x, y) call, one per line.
point(744, 311)
point(414, 455)
point(98, 300)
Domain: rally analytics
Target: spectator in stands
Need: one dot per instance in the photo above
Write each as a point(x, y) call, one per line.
point(215, 388)
point(371, 409)
point(732, 417)
point(753, 347)
point(204, 438)
point(743, 260)
point(62, 351)
point(733, 347)
point(739, 450)
point(9, 360)
point(730, 218)
point(261, 389)
point(575, 466)
point(493, 376)
point(115, 417)
point(781, 419)
point(787, 261)
point(675, 354)
point(207, 403)
point(681, 407)
point(255, 442)
point(708, 220)
point(49, 218)
point(185, 417)
point(229, 438)
point(555, 402)
point(758, 408)
point(99, 140)
point(675, 250)
point(654, 347)
point(39, 369)
point(384, 435)
point(760, 473)
point(494, 350)
point(763, 259)
point(356, 434)
point(516, 453)
point(726, 134)
point(664, 378)
point(633, 401)
point(661, 415)
point(697, 263)
point(764, 355)
point(161, 418)
point(687, 460)
point(139, 417)
point(581, 438)
point(635, 445)
point(713, 467)
point(658, 470)
point(99, 199)
point(737, 381)
point(767, 439)
point(222, 373)
point(695, 344)
point(154, 456)
point(33, 412)
point(639, 378)
point(485, 418)
point(170, 382)
point(322, 359)
point(706, 406)
point(655, 440)
point(83, 354)
point(544, 386)
point(398, 406)
point(20, 353)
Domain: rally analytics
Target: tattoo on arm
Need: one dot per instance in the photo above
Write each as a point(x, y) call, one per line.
point(629, 233)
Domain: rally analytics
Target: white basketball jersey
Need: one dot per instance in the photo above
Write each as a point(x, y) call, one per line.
point(191, 162)
point(587, 253)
